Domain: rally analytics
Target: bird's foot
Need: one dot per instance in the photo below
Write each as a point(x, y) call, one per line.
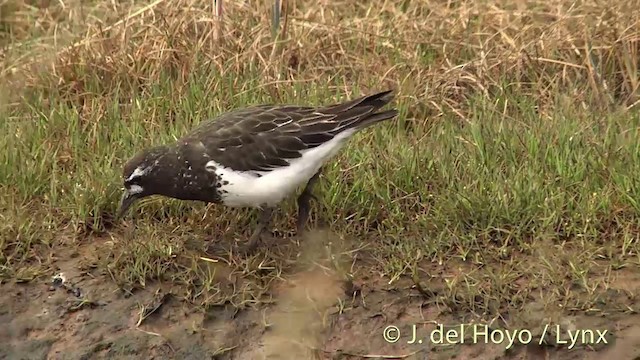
point(304, 208)
point(255, 239)
point(252, 245)
point(300, 226)
point(218, 248)
point(247, 250)
point(303, 202)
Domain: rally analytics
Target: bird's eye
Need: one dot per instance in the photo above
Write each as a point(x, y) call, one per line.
point(132, 181)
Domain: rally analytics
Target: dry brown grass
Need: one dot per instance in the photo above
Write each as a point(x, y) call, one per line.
point(437, 53)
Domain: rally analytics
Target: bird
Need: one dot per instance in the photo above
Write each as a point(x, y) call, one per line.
point(254, 157)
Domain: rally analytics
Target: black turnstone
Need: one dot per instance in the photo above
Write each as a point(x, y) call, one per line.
point(253, 157)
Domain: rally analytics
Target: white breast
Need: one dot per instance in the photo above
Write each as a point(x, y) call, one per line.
point(246, 189)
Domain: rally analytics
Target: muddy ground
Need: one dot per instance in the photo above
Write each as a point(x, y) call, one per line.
point(315, 314)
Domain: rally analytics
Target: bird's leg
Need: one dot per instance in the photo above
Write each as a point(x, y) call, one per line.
point(264, 218)
point(303, 201)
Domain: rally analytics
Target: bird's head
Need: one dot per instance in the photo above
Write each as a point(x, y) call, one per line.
point(142, 176)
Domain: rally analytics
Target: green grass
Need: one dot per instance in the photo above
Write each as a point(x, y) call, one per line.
point(500, 178)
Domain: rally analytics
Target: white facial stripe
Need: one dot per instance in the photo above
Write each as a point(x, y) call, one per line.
point(135, 189)
point(139, 171)
point(210, 166)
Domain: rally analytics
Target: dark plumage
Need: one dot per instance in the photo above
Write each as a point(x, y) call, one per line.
point(253, 157)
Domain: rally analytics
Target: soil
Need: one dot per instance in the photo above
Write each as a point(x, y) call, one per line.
point(315, 315)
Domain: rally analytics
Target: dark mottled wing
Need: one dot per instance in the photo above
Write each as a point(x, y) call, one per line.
point(262, 138)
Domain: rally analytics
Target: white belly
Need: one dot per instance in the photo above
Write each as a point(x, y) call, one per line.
point(245, 189)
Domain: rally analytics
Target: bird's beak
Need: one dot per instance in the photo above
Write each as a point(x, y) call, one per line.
point(125, 203)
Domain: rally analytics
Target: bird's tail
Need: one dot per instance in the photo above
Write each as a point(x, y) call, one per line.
point(362, 112)
point(376, 118)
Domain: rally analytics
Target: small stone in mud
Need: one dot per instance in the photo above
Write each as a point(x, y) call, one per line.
point(58, 280)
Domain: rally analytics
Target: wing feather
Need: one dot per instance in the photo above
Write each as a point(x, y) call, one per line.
point(265, 137)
